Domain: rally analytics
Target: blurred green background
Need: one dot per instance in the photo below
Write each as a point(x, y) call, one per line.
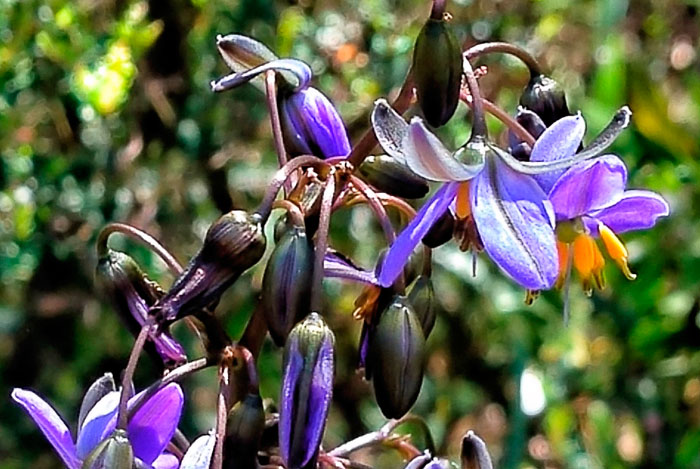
point(106, 115)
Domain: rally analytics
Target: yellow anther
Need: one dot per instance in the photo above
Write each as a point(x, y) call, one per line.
point(462, 205)
point(366, 303)
point(616, 250)
point(531, 296)
point(563, 252)
point(584, 255)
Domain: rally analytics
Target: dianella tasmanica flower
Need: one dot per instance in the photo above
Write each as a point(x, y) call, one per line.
point(590, 201)
point(148, 432)
point(307, 389)
point(396, 353)
point(492, 195)
point(437, 68)
point(287, 283)
point(132, 294)
point(233, 244)
point(310, 123)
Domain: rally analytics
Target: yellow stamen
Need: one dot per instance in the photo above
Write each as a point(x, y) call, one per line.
point(366, 303)
point(598, 264)
point(616, 250)
point(462, 206)
point(531, 296)
point(563, 252)
point(584, 256)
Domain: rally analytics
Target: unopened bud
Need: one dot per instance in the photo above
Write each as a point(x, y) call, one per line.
point(307, 389)
point(393, 177)
point(132, 295)
point(437, 71)
point(396, 350)
point(287, 283)
point(114, 452)
point(422, 298)
point(233, 244)
point(534, 126)
point(311, 125)
point(545, 97)
point(475, 455)
point(97, 390)
point(441, 231)
point(245, 425)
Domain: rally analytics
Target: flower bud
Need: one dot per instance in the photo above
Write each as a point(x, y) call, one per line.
point(245, 425)
point(286, 287)
point(97, 390)
point(396, 351)
point(475, 455)
point(422, 298)
point(393, 177)
point(530, 122)
point(311, 125)
point(112, 453)
point(441, 231)
point(437, 71)
point(307, 389)
point(544, 97)
point(132, 294)
point(233, 244)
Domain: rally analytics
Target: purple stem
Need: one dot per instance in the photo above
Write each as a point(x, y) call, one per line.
point(321, 245)
point(140, 236)
point(505, 48)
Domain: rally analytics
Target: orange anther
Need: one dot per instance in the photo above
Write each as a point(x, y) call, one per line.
point(462, 204)
point(616, 250)
point(584, 255)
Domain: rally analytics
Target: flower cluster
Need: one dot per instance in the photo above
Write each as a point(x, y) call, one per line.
point(539, 208)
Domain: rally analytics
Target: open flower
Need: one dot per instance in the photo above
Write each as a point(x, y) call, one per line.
point(149, 431)
point(486, 187)
point(590, 201)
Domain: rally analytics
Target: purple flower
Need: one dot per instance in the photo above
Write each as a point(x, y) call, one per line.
point(511, 212)
point(484, 186)
point(199, 454)
point(590, 201)
point(307, 389)
point(149, 431)
point(310, 123)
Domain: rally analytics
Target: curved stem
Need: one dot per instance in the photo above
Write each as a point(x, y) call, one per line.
point(292, 209)
point(140, 236)
point(177, 374)
point(253, 383)
point(221, 415)
point(369, 140)
point(505, 48)
point(321, 245)
point(122, 420)
point(397, 203)
point(438, 9)
point(372, 438)
point(376, 206)
point(279, 179)
point(271, 92)
point(512, 124)
point(479, 120)
point(427, 261)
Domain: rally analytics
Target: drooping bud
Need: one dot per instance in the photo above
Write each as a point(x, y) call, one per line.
point(437, 70)
point(307, 389)
point(245, 425)
point(530, 122)
point(311, 125)
point(97, 390)
point(132, 294)
point(546, 98)
point(475, 455)
point(287, 283)
point(233, 244)
point(441, 231)
point(396, 351)
point(422, 297)
point(393, 177)
point(112, 453)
